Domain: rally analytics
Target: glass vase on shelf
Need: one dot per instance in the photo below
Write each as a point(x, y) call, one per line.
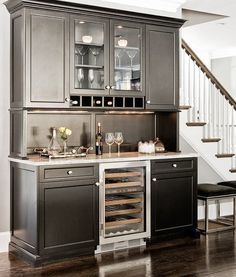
point(54, 147)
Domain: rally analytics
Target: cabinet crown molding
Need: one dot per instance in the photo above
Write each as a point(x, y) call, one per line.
point(14, 5)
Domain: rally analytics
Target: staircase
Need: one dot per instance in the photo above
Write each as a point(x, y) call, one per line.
point(208, 105)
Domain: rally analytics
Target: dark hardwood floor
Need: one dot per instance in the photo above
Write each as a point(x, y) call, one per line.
point(213, 255)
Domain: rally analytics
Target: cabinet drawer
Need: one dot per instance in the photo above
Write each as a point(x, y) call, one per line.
point(172, 165)
point(66, 173)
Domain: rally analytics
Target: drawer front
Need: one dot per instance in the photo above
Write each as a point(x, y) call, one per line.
point(172, 165)
point(67, 173)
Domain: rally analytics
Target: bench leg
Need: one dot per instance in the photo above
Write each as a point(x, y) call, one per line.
point(234, 211)
point(217, 209)
point(206, 216)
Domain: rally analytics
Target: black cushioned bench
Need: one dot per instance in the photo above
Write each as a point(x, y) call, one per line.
point(211, 192)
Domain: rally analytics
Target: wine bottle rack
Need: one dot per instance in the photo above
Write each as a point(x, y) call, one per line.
point(124, 201)
point(115, 102)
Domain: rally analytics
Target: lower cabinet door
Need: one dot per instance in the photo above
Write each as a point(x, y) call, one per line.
point(173, 202)
point(68, 216)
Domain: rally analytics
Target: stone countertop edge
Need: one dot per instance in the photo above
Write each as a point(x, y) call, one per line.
point(105, 158)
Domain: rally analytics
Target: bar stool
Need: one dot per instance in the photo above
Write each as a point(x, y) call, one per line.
point(212, 192)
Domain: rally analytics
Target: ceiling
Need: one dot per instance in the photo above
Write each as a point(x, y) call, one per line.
point(217, 37)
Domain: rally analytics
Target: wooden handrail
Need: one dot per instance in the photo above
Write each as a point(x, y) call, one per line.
point(208, 73)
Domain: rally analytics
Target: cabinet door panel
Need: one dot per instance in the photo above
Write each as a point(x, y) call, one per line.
point(173, 202)
point(89, 55)
point(161, 67)
point(47, 58)
point(69, 214)
point(127, 58)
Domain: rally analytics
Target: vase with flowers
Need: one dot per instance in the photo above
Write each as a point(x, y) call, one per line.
point(64, 134)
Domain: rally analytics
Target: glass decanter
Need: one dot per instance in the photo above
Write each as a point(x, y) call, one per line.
point(54, 147)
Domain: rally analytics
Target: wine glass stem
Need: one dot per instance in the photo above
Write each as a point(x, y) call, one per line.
point(95, 60)
point(118, 149)
point(109, 149)
point(82, 60)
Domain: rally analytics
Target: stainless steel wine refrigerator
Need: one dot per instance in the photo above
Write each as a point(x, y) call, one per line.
point(124, 205)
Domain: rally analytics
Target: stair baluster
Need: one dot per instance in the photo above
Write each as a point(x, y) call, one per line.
point(208, 103)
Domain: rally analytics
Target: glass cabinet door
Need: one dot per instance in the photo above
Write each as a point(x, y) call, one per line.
point(127, 58)
point(89, 55)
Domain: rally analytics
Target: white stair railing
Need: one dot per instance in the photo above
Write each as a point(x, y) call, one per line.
point(209, 104)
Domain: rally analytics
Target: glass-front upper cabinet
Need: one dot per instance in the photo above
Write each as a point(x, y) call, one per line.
point(89, 48)
point(127, 58)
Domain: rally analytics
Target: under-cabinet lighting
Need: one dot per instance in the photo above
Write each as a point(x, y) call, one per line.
point(119, 27)
point(127, 112)
point(56, 112)
point(81, 22)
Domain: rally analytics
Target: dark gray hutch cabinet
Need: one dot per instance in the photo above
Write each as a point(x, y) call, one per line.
point(74, 64)
point(61, 50)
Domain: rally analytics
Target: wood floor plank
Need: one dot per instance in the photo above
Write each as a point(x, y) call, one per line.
point(212, 255)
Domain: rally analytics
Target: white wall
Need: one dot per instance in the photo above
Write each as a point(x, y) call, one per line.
point(225, 71)
point(4, 118)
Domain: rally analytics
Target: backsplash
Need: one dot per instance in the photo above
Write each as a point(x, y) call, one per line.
point(135, 127)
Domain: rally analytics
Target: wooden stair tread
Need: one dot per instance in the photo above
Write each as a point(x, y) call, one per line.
point(185, 107)
point(226, 155)
point(211, 140)
point(192, 124)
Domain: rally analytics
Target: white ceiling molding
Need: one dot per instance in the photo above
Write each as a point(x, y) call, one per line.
point(163, 5)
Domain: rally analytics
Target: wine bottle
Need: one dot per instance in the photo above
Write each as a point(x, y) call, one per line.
point(99, 143)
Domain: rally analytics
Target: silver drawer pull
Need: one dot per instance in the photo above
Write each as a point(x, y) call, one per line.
point(98, 102)
point(69, 172)
point(148, 102)
point(154, 179)
point(97, 184)
point(109, 103)
point(174, 165)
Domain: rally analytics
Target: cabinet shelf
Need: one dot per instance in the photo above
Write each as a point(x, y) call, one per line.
point(123, 185)
point(123, 174)
point(127, 48)
point(89, 66)
point(123, 212)
point(128, 68)
point(123, 221)
point(118, 201)
point(88, 44)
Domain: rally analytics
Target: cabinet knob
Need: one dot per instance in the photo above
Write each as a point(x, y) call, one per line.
point(109, 103)
point(112, 87)
point(174, 165)
point(154, 179)
point(107, 87)
point(98, 102)
point(97, 184)
point(148, 102)
point(69, 172)
point(67, 99)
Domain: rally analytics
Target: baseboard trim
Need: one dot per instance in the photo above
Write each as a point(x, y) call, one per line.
point(4, 241)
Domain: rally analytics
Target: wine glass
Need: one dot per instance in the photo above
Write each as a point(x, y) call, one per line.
point(95, 51)
point(131, 54)
point(80, 76)
point(118, 54)
point(82, 50)
point(118, 140)
point(109, 139)
point(91, 76)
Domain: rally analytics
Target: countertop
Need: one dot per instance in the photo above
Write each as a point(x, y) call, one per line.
point(36, 160)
